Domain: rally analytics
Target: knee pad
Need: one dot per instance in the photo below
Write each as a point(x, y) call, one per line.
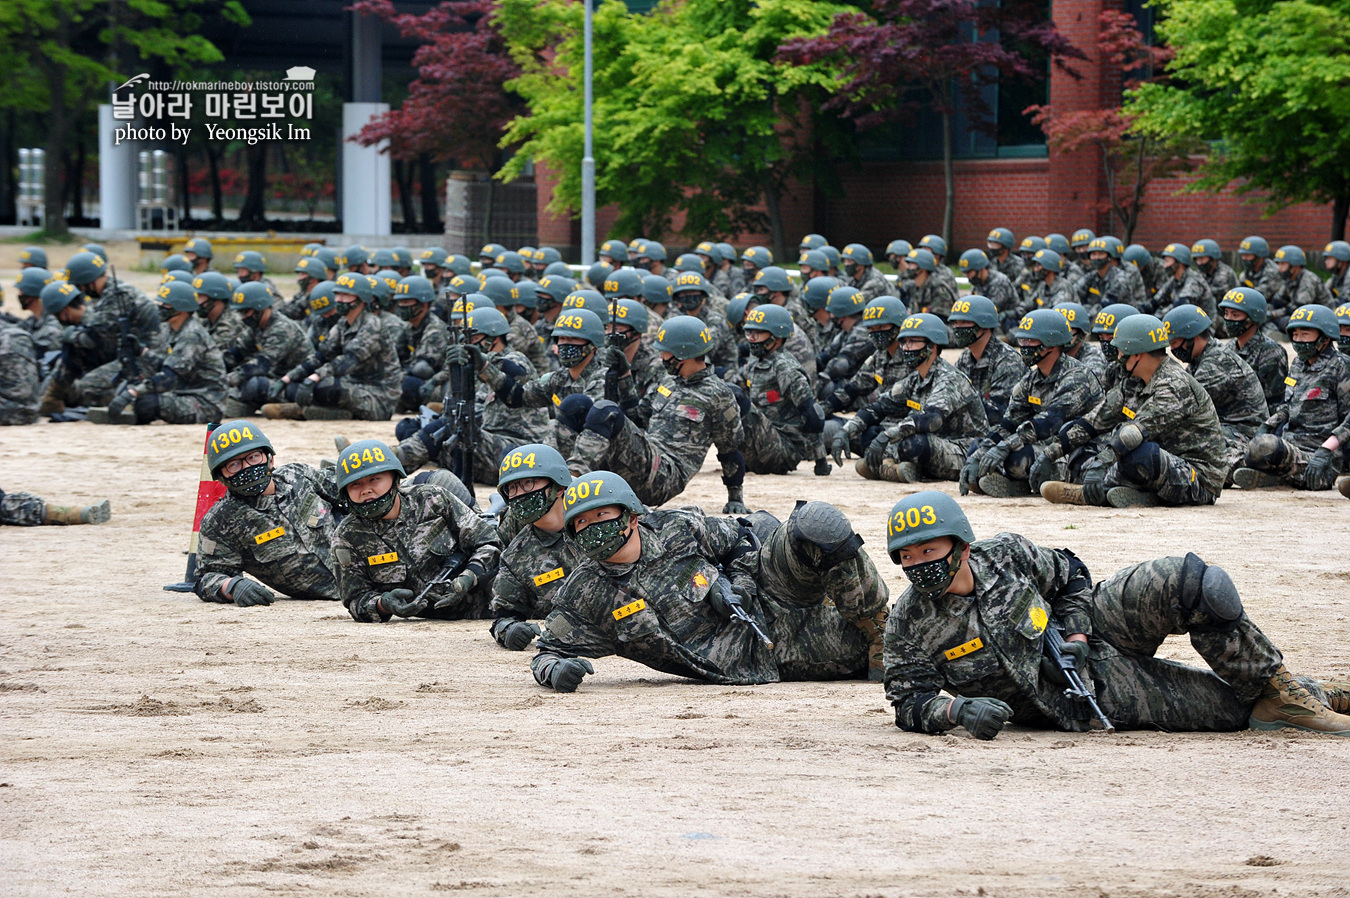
point(742, 400)
point(1208, 591)
point(915, 449)
point(406, 427)
point(761, 523)
point(824, 534)
point(1143, 464)
point(328, 392)
point(448, 482)
point(1018, 465)
point(254, 391)
point(146, 408)
point(604, 419)
point(412, 390)
point(291, 390)
point(1266, 451)
point(573, 410)
point(420, 370)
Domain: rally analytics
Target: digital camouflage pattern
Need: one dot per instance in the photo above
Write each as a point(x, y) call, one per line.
point(1038, 407)
point(1134, 280)
point(46, 332)
point(1092, 358)
point(1010, 266)
point(22, 509)
point(723, 353)
point(189, 377)
point(1270, 361)
point(20, 385)
point(1190, 290)
point(274, 350)
point(525, 340)
point(1316, 400)
point(993, 375)
point(1266, 281)
point(374, 557)
point(873, 284)
point(1000, 291)
point(230, 334)
point(283, 540)
point(935, 295)
point(1220, 280)
point(1104, 288)
point(531, 573)
point(1236, 393)
point(1303, 289)
point(1046, 294)
point(362, 359)
point(775, 441)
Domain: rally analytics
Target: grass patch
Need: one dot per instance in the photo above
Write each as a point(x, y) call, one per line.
point(44, 236)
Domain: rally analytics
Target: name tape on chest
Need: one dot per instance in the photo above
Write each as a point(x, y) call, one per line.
point(663, 389)
point(1127, 412)
point(386, 558)
point(630, 609)
point(1289, 381)
point(555, 574)
point(556, 400)
point(964, 649)
point(1034, 400)
point(269, 536)
point(918, 407)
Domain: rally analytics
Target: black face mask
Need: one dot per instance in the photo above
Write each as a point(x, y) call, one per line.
point(1287, 274)
point(530, 507)
point(1032, 355)
point(913, 358)
point(376, 508)
point(644, 264)
point(1185, 353)
point(1101, 263)
point(688, 302)
point(251, 481)
point(882, 337)
point(167, 312)
point(672, 365)
point(1109, 351)
point(601, 540)
point(252, 321)
point(1229, 328)
point(573, 354)
point(1309, 350)
point(1343, 343)
point(965, 336)
point(761, 349)
point(931, 578)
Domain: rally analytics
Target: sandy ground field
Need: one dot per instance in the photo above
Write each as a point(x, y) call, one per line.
point(151, 744)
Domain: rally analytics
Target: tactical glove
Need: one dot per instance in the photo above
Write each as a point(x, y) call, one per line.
point(876, 452)
point(566, 675)
point(994, 460)
point(983, 718)
point(839, 447)
point(1321, 471)
point(400, 602)
point(304, 392)
point(616, 361)
point(970, 474)
point(1042, 470)
point(456, 590)
point(1077, 651)
point(246, 592)
point(516, 635)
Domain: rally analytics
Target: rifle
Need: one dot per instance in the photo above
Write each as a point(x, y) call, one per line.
point(130, 371)
point(1053, 645)
point(460, 411)
point(454, 566)
point(723, 586)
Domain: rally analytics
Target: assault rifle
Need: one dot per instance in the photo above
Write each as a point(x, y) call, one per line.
point(1053, 645)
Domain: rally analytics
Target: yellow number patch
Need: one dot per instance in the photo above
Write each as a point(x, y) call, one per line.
point(1289, 381)
point(556, 400)
point(911, 517)
point(630, 609)
point(1125, 410)
point(386, 558)
point(269, 536)
point(224, 439)
point(663, 390)
point(965, 649)
point(555, 574)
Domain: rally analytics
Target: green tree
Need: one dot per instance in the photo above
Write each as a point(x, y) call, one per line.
point(693, 112)
point(77, 49)
point(1267, 82)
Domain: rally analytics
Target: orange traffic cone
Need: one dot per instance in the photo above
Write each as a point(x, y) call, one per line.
point(208, 491)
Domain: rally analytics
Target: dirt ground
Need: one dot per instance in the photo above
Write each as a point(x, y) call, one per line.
point(151, 744)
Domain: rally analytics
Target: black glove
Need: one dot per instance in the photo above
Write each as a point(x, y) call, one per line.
point(246, 592)
point(119, 402)
point(276, 390)
point(517, 635)
point(128, 346)
point(839, 447)
point(457, 589)
point(465, 354)
point(304, 392)
point(79, 337)
point(422, 370)
point(566, 675)
point(1321, 471)
point(970, 474)
point(876, 451)
point(994, 460)
point(1076, 650)
point(400, 602)
point(1042, 470)
point(616, 361)
point(427, 392)
point(982, 717)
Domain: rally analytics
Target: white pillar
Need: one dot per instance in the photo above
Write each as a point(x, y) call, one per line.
point(116, 175)
point(365, 174)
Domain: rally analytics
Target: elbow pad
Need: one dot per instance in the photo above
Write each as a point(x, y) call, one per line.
point(839, 367)
point(1047, 423)
point(927, 422)
point(812, 419)
point(1080, 578)
point(735, 458)
point(422, 369)
point(1075, 433)
point(867, 417)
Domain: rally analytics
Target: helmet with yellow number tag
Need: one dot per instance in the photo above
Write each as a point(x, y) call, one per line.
point(922, 516)
point(684, 337)
point(527, 462)
point(231, 440)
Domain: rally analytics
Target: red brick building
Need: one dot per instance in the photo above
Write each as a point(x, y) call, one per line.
point(1008, 179)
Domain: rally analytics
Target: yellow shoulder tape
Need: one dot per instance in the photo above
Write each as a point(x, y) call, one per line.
point(1289, 381)
point(1034, 400)
point(555, 574)
point(556, 400)
point(962, 650)
point(382, 559)
point(630, 609)
point(269, 535)
point(1125, 410)
point(663, 389)
point(914, 405)
point(1039, 619)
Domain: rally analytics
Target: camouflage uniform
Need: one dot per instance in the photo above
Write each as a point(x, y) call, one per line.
point(1190, 290)
point(1236, 393)
point(993, 375)
point(274, 349)
point(1270, 362)
point(1092, 358)
point(800, 347)
point(775, 441)
point(295, 308)
point(525, 340)
point(681, 418)
point(374, 557)
point(232, 337)
point(1126, 617)
point(844, 355)
point(1038, 407)
point(947, 410)
point(723, 355)
point(1316, 402)
point(19, 383)
point(936, 295)
point(87, 375)
point(1139, 292)
point(549, 390)
point(283, 539)
point(674, 628)
point(1000, 291)
point(189, 379)
point(1010, 267)
point(532, 570)
point(647, 369)
point(1267, 281)
point(1220, 281)
point(271, 286)
point(46, 332)
point(1306, 289)
point(399, 334)
point(1097, 289)
point(358, 368)
point(317, 328)
point(874, 284)
point(427, 344)
point(1338, 286)
point(22, 509)
point(1045, 294)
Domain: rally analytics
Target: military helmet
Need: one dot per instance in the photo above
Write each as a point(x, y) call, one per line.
point(1294, 255)
point(490, 272)
point(432, 255)
point(597, 489)
point(1049, 260)
point(1206, 247)
point(176, 275)
point(1186, 322)
point(583, 323)
point(414, 286)
point(899, 248)
point(200, 246)
point(403, 257)
point(526, 253)
point(973, 260)
point(773, 279)
point(510, 262)
point(1059, 243)
point(650, 249)
point(32, 280)
point(85, 268)
point(1105, 321)
point(547, 255)
point(558, 269)
point(464, 284)
point(488, 321)
point(1107, 244)
point(1074, 313)
point(364, 458)
point(922, 516)
point(709, 249)
point(250, 260)
point(813, 259)
point(689, 282)
point(1247, 300)
point(689, 262)
point(1343, 313)
point(728, 251)
point(178, 296)
point(811, 241)
point(1030, 246)
point(629, 313)
point(1256, 246)
point(758, 256)
point(1003, 237)
point(925, 325)
point(615, 249)
point(1140, 333)
point(980, 310)
point(883, 311)
point(598, 273)
point(386, 282)
point(95, 248)
point(1136, 253)
point(844, 301)
point(525, 293)
point(175, 262)
point(322, 296)
point(35, 256)
point(490, 252)
point(656, 290)
point(554, 286)
point(359, 285)
point(923, 258)
point(530, 461)
point(934, 244)
point(856, 252)
point(817, 292)
point(231, 440)
point(1046, 325)
point(1082, 237)
point(329, 257)
point(684, 337)
point(310, 249)
point(311, 266)
point(353, 256)
point(251, 296)
point(736, 307)
point(626, 283)
point(1178, 251)
point(458, 264)
point(466, 304)
point(1317, 317)
point(383, 258)
point(499, 291)
point(1338, 250)
point(769, 317)
point(57, 295)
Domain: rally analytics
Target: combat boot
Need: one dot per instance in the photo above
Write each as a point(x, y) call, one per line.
point(1285, 703)
point(1338, 697)
point(1252, 479)
point(822, 467)
point(874, 631)
point(1343, 486)
point(280, 410)
point(1129, 497)
point(51, 402)
point(89, 514)
point(1058, 492)
point(864, 471)
point(1001, 487)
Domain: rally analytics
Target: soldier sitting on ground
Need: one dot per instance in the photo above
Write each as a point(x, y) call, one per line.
point(976, 617)
point(20, 385)
point(783, 422)
point(992, 366)
point(1080, 347)
point(276, 345)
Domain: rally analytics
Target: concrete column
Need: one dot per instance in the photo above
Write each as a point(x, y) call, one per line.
point(116, 176)
point(365, 174)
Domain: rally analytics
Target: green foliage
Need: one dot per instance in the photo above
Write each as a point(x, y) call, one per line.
point(692, 112)
point(1269, 83)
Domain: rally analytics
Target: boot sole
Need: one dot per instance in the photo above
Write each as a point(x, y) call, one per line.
point(1000, 487)
point(1271, 726)
point(321, 413)
point(101, 416)
point(1128, 497)
point(101, 513)
point(1248, 479)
